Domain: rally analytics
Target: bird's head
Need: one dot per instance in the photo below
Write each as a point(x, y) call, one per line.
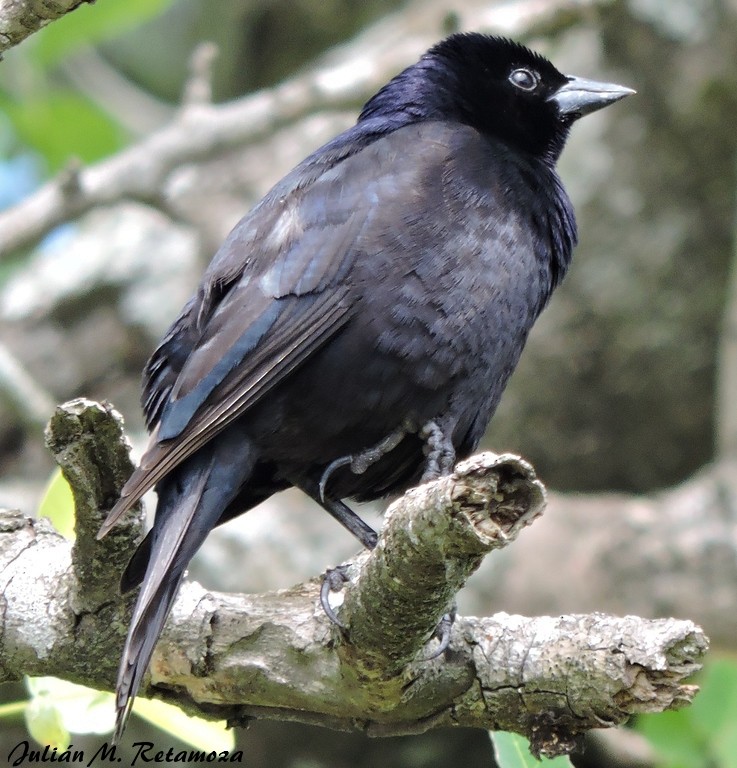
point(499, 87)
point(504, 89)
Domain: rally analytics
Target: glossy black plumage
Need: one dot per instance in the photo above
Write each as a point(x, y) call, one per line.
point(385, 286)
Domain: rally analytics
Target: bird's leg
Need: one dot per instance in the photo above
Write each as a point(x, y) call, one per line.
point(334, 578)
point(359, 462)
point(439, 451)
point(362, 460)
point(341, 462)
point(340, 511)
point(440, 459)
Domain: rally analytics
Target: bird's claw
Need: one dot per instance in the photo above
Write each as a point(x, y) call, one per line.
point(333, 581)
point(341, 462)
point(443, 632)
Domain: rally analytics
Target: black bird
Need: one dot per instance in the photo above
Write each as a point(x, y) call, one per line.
point(355, 331)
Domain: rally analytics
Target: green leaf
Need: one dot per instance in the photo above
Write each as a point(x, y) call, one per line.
point(44, 723)
point(91, 24)
point(198, 733)
point(57, 505)
point(62, 125)
point(58, 707)
point(13, 708)
point(713, 714)
point(78, 709)
point(715, 708)
point(673, 736)
point(513, 751)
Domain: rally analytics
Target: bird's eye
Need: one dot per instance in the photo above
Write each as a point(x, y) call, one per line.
point(524, 79)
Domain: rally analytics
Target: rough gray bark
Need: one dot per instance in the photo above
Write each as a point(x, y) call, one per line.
point(277, 655)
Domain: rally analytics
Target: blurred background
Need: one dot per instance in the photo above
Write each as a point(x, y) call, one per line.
point(627, 389)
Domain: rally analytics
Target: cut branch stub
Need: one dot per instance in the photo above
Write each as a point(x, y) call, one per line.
point(87, 441)
point(434, 538)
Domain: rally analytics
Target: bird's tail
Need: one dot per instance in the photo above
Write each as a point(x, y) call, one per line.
point(191, 500)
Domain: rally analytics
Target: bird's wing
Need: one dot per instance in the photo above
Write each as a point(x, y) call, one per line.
point(273, 295)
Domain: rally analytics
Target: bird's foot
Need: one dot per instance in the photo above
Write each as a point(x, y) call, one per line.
point(333, 581)
point(439, 451)
point(442, 632)
point(361, 461)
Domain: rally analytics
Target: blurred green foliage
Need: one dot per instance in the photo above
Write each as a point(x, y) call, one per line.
point(57, 708)
point(703, 735)
point(42, 110)
point(89, 25)
point(61, 125)
point(57, 505)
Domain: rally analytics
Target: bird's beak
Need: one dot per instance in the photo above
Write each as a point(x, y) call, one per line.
point(580, 97)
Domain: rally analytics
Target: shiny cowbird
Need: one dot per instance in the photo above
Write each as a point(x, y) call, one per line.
point(355, 331)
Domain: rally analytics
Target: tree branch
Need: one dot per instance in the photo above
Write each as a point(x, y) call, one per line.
point(277, 655)
point(87, 441)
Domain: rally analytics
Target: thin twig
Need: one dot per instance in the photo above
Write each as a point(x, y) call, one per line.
point(29, 399)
